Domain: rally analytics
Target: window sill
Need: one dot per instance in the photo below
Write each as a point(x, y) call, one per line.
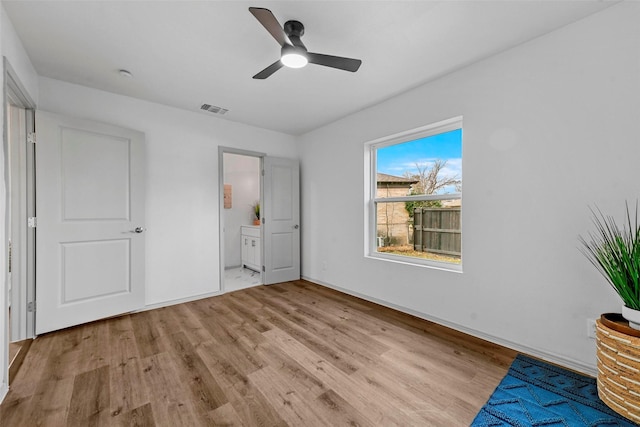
point(416, 262)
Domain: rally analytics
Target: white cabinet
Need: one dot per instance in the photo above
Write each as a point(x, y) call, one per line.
point(250, 243)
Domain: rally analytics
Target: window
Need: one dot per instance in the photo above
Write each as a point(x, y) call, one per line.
point(414, 189)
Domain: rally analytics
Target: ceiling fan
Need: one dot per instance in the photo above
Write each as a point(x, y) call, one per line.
point(294, 54)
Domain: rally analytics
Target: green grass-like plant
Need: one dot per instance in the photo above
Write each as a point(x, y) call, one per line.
point(615, 252)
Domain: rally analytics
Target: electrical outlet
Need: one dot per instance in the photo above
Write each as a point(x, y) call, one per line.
point(591, 328)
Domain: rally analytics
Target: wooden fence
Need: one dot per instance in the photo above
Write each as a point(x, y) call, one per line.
point(437, 230)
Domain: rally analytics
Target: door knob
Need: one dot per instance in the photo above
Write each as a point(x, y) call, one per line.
point(138, 230)
point(295, 227)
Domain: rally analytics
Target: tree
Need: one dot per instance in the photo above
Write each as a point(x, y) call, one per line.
point(429, 182)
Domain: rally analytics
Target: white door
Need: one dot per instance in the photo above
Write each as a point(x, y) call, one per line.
point(90, 219)
point(281, 220)
point(17, 144)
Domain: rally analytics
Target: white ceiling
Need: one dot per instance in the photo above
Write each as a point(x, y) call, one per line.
point(186, 53)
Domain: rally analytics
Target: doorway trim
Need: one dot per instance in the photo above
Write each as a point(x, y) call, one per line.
point(221, 151)
point(14, 92)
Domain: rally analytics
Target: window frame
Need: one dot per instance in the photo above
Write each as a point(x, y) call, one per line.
point(371, 200)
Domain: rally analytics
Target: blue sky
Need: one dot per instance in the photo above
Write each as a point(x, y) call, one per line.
point(401, 158)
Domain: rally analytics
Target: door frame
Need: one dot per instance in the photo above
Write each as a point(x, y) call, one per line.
point(23, 320)
point(14, 92)
point(230, 150)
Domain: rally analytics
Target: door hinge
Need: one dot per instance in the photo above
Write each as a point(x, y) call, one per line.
point(31, 307)
point(262, 172)
point(264, 269)
point(32, 222)
point(31, 137)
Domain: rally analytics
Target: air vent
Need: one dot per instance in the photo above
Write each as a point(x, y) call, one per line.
point(214, 109)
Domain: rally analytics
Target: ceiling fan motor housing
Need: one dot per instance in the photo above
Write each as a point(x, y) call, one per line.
point(294, 28)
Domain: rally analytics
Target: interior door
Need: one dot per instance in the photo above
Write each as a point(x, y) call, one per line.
point(90, 219)
point(281, 220)
point(17, 144)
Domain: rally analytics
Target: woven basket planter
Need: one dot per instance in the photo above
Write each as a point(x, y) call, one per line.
point(619, 371)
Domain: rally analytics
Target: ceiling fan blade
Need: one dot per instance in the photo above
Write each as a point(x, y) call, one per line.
point(347, 64)
point(269, 70)
point(270, 22)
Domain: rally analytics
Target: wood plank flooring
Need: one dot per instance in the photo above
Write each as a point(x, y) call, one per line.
point(292, 354)
point(17, 353)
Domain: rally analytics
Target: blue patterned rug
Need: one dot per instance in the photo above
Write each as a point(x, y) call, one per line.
point(535, 393)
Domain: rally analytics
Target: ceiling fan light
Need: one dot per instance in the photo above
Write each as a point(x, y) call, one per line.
point(294, 60)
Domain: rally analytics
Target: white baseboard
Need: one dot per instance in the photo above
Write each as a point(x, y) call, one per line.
point(549, 357)
point(4, 389)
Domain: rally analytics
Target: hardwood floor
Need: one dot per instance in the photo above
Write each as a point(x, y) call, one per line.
point(17, 353)
point(289, 354)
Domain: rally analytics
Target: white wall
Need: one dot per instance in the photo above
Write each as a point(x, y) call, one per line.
point(182, 258)
point(243, 174)
point(12, 49)
point(550, 127)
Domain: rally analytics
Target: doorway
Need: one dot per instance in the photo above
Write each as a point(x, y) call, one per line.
point(241, 251)
point(19, 240)
point(18, 236)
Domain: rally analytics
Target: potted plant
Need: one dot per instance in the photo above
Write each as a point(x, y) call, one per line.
point(256, 212)
point(615, 252)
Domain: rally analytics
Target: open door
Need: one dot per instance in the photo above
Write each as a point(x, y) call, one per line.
point(90, 217)
point(281, 220)
point(18, 231)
